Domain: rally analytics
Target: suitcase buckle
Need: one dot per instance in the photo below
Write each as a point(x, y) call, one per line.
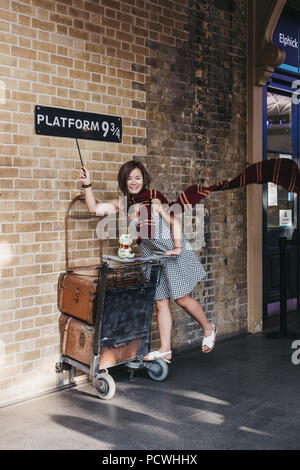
point(81, 340)
point(76, 297)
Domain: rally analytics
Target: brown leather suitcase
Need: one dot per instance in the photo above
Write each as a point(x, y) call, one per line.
point(77, 290)
point(117, 355)
point(77, 296)
point(77, 343)
point(76, 339)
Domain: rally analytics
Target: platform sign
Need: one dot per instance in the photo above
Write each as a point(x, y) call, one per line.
point(60, 122)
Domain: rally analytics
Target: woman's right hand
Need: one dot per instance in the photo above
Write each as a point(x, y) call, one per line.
point(85, 176)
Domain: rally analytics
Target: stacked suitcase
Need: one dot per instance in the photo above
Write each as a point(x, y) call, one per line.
point(77, 302)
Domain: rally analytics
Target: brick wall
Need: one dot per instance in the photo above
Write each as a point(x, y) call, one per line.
point(196, 105)
point(175, 72)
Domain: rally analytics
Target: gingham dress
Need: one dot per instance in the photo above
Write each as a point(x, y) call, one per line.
point(180, 273)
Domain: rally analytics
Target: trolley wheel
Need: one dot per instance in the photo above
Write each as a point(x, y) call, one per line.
point(105, 386)
point(58, 367)
point(61, 366)
point(158, 370)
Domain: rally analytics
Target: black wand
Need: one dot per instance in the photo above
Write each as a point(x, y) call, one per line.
point(82, 166)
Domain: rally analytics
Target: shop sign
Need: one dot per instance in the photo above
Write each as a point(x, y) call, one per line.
point(286, 36)
point(59, 122)
point(272, 194)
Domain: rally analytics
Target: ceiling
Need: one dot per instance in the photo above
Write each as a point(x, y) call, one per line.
point(279, 105)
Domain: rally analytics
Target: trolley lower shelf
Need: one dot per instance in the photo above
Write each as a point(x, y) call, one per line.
point(103, 382)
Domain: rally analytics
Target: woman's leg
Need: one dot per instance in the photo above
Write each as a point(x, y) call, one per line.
point(193, 307)
point(164, 324)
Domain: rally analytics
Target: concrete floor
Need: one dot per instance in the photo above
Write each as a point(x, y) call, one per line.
point(243, 395)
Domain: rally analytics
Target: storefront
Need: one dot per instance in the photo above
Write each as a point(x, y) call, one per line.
point(281, 128)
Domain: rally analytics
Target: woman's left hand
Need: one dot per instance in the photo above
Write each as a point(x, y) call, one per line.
point(174, 252)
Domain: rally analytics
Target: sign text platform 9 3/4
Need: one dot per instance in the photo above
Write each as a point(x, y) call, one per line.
point(59, 122)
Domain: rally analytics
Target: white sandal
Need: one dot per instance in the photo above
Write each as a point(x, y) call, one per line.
point(210, 340)
point(158, 355)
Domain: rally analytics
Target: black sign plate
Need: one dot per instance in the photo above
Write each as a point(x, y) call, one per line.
point(77, 124)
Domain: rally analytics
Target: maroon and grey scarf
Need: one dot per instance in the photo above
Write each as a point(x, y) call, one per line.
point(281, 171)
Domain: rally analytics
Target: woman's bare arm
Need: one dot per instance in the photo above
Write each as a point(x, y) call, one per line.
point(174, 224)
point(106, 208)
point(94, 207)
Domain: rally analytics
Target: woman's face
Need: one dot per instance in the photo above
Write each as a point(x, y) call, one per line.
point(135, 181)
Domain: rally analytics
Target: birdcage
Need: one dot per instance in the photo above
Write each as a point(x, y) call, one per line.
point(83, 248)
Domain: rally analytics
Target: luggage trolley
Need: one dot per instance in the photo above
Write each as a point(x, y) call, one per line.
point(121, 334)
point(117, 330)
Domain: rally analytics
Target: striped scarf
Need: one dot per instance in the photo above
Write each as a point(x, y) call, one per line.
point(281, 171)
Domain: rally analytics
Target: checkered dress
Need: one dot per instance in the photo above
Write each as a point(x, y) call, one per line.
point(181, 273)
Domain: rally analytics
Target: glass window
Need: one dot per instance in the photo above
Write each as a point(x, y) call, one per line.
point(279, 123)
point(280, 211)
point(281, 205)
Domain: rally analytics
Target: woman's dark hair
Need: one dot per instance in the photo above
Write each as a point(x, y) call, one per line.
point(124, 173)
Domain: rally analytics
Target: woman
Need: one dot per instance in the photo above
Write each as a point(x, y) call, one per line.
point(181, 272)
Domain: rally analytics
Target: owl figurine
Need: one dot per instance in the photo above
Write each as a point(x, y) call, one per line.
point(125, 242)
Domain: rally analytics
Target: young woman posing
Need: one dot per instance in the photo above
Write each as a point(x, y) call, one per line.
point(182, 271)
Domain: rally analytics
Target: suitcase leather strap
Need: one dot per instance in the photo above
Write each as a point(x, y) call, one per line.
point(64, 343)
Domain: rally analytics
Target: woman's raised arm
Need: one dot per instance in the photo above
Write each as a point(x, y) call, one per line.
point(94, 207)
